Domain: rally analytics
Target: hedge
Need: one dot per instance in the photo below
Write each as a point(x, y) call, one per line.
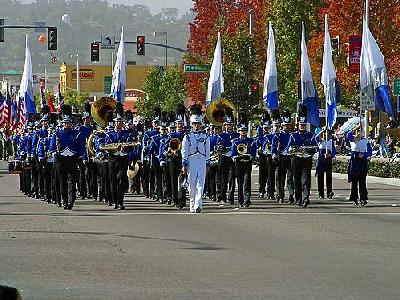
point(379, 167)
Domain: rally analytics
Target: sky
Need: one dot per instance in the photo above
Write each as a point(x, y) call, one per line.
point(154, 5)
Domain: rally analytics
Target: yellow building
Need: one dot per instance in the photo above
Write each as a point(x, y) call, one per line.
point(96, 79)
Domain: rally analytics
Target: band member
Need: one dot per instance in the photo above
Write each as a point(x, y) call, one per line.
point(25, 149)
point(195, 158)
point(227, 166)
point(361, 150)
point(119, 158)
point(42, 152)
point(213, 174)
point(163, 156)
point(266, 177)
point(35, 166)
point(242, 152)
point(87, 168)
point(303, 147)
point(282, 157)
point(174, 156)
point(149, 162)
point(67, 148)
point(154, 151)
point(326, 152)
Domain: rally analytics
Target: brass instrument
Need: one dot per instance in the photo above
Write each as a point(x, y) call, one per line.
point(175, 146)
point(268, 148)
point(90, 140)
point(100, 108)
point(115, 147)
point(133, 169)
point(242, 149)
point(215, 158)
point(215, 111)
point(303, 151)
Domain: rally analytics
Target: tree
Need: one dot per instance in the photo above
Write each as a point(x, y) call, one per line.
point(75, 99)
point(165, 89)
point(345, 18)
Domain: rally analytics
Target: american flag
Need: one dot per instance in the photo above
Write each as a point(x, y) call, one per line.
point(5, 110)
point(2, 104)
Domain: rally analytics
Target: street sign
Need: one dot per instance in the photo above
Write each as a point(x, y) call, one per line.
point(107, 42)
point(42, 27)
point(191, 68)
point(396, 87)
point(107, 84)
point(367, 101)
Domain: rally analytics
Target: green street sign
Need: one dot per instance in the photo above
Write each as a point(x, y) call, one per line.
point(107, 84)
point(189, 68)
point(396, 87)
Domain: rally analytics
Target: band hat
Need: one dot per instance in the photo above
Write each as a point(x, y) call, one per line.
point(85, 115)
point(66, 119)
point(196, 119)
point(267, 125)
point(44, 118)
point(302, 114)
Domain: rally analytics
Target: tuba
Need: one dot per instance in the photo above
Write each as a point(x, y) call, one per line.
point(215, 111)
point(242, 149)
point(100, 108)
point(90, 142)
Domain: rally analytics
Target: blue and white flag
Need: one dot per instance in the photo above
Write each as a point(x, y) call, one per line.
point(216, 81)
point(270, 93)
point(374, 81)
point(328, 79)
point(26, 86)
point(119, 73)
point(309, 95)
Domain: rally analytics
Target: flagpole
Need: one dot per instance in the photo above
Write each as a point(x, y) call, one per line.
point(366, 111)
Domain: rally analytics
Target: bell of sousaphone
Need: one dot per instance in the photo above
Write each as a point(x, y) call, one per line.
point(100, 108)
point(216, 110)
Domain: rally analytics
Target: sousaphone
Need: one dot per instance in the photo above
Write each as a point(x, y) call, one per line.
point(216, 110)
point(99, 109)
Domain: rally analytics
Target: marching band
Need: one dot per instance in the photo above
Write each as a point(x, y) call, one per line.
point(165, 160)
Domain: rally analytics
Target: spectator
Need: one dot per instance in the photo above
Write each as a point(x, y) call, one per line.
point(383, 149)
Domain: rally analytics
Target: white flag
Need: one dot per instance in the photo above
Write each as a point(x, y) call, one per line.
point(119, 73)
point(26, 86)
point(270, 92)
point(216, 81)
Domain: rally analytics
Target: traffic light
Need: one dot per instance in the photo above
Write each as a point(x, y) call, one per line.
point(52, 38)
point(335, 45)
point(253, 89)
point(94, 52)
point(1, 30)
point(140, 44)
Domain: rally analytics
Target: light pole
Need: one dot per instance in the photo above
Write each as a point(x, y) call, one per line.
point(78, 79)
point(162, 33)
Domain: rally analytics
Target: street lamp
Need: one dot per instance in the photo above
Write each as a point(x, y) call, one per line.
point(78, 84)
point(162, 33)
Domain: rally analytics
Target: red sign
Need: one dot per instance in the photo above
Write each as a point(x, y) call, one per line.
point(354, 53)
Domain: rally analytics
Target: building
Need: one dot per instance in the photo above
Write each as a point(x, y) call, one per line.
point(96, 79)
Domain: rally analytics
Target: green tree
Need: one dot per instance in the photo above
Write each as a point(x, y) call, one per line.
point(286, 17)
point(75, 99)
point(165, 89)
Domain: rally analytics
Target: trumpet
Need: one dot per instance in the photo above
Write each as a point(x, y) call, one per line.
point(174, 147)
point(114, 147)
point(241, 149)
point(215, 158)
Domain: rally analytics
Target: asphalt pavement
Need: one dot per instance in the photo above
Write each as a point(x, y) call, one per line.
point(331, 250)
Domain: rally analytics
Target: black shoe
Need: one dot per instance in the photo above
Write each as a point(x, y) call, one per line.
point(109, 203)
point(122, 207)
point(169, 202)
point(231, 202)
point(65, 207)
point(262, 195)
point(70, 206)
point(306, 203)
point(198, 210)
point(300, 203)
point(247, 204)
point(116, 206)
point(321, 197)
point(330, 195)
point(48, 201)
point(355, 202)
point(59, 204)
point(363, 202)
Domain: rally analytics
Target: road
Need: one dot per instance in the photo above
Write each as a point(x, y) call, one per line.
point(331, 250)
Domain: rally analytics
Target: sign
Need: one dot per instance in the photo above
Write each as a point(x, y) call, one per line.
point(355, 42)
point(341, 113)
point(196, 68)
point(107, 42)
point(84, 75)
point(107, 84)
point(367, 101)
point(396, 87)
